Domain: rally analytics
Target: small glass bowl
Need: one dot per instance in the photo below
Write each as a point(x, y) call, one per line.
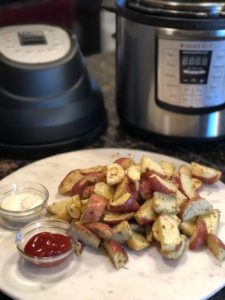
point(15, 219)
point(44, 225)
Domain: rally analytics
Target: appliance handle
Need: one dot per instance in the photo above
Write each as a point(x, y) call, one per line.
point(109, 5)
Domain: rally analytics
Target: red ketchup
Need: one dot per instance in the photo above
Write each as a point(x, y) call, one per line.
point(47, 244)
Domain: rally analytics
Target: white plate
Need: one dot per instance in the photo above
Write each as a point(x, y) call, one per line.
point(197, 275)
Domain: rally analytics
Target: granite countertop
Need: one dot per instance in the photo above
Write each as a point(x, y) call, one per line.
point(102, 68)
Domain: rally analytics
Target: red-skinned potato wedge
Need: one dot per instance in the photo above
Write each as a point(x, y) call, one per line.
point(212, 220)
point(134, 173)
point(94, 209)
point(115, 174)
point(87, 191)
point(147, 164)
point(68, 182)
point(205, 174)
point(125, 162)
point(182, 169)
point(103, 230)
point(149, 233)
point(176, 253)
point(199, 235)
point(115, 218)
point(168, 167)
point(126, 186)
point(145, 188)
point(116, 253)
point(137, 242)
point(188, 227)
point(95, 169)
point(87, 180)
point(79, 186)
point(196, 183)
point(85, 235)
point(122, 232)
point(104, 190)
point(146, 214)
point(194, 208)
point(126, 203)
point(216, 246)
point(96, 177)
point(181, 198)
point(186, 186)
point(161, 185)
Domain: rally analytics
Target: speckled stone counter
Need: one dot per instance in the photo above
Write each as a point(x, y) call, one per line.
point(102, 68)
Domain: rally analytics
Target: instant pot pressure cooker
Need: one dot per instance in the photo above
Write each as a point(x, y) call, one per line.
point(171, 67)
point(47, 99)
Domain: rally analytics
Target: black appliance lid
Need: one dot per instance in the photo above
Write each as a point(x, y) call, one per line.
point(198, 8)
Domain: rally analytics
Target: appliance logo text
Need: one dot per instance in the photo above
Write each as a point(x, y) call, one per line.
point(195, 46)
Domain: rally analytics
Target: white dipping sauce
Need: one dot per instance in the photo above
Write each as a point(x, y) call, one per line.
point(21, 201)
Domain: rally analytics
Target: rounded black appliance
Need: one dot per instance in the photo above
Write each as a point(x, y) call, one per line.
point(48, 101)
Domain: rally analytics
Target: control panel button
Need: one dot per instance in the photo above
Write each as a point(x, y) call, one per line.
point(187, 90)
point(186, 99)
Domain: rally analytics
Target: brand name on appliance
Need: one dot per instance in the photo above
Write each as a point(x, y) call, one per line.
point(195, 46)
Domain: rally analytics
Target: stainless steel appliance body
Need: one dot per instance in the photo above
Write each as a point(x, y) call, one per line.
point(171, 68)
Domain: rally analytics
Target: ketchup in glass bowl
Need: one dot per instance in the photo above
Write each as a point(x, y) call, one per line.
point(46, 242)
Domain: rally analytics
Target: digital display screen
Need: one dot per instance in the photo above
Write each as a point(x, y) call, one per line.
point(29, 38)
point(194, 66)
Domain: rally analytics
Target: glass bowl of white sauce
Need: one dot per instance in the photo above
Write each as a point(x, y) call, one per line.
point(21, 203)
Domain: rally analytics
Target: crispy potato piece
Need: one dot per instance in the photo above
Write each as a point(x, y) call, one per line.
point(59, 208)
point(134, 172)
point(122, 232)
point(137, 242)
point(169, 234)
point(159, 184)
point(164, 204)
point(68, 182)
point(204, 173)
point(199, 235)
point(194, 208)
point(149, 233)
point(187, 227)
point(186, 186)
point(116, 253)
point(103, 230)
point(176, 253)
point(115, 218)
point(115, 174)
point(95, 169)
point(125, 162)
point(104, 190)
point(126, 203)
point(168, 167)
point(196, 183)
point(212, 221)
point(216, 246)
point(146, 214)
point(147, 164)
point(181, 198)
point(74, 209)
point(155, 231)
point(94, 209)
point(85, 235)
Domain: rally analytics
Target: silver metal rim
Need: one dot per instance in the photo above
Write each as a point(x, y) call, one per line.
point(197, 9)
